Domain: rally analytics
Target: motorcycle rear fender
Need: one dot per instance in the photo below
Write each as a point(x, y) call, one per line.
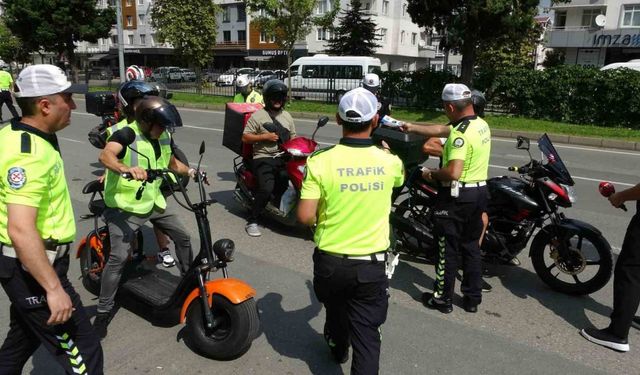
point(235, 290)
point(81, 246)
point(575, 226)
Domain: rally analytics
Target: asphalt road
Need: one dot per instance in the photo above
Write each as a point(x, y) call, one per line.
point(522, 326)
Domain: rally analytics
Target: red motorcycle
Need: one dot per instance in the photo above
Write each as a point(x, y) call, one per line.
point(295, 152)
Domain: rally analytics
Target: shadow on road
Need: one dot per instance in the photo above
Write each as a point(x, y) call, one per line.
point(407, 278)
point(526, 284)
point(291, 335)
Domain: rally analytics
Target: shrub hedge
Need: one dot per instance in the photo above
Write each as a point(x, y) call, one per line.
point(572, 94)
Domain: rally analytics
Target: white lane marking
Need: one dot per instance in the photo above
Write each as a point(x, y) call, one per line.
point(503, 139)
point(202, 128)
point(71, 140)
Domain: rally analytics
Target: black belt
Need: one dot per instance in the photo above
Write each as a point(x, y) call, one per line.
point(374, 257)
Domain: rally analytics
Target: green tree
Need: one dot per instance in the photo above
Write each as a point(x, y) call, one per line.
point(11, 46)
point(467, 24)
point(56, 25)
point(190, 26)
point(289, 21)
point(553, 58)
point(355, 34)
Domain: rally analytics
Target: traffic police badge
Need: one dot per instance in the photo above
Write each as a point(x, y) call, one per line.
point(458, 142)
point(16, 177)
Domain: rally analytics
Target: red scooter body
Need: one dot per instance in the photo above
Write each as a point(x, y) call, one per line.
point(298, 149)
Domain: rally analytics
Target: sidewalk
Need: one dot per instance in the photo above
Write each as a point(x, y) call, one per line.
point(556, 138)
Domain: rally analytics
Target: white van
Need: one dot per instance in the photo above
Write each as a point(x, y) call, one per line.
point(631, 64)
point(321, 75)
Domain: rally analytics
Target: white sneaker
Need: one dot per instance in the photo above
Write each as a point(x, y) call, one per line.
point(165, 257)
point(253, 230)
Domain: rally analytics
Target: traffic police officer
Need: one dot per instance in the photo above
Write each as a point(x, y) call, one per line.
point(124, 214)
point(347, 194)
point(36, 229)
point(462, 198)
point(626, 282)
point(246, 94)
point(371, 82)
point(6, 83)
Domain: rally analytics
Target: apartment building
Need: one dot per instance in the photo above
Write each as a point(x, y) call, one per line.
point(596, 32)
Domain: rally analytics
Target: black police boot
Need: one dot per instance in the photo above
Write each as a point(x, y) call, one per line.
point(101, 322)
point(469, 305)
point(443, 305)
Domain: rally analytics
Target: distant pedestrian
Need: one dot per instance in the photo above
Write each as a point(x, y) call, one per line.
point(6, 89)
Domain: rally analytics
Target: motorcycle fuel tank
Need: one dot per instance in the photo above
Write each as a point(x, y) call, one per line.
point(511, 192)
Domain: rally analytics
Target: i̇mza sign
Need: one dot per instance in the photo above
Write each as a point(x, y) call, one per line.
point(616, 40)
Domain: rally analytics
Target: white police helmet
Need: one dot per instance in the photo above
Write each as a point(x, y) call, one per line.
point(371, 80)
point(242, 81)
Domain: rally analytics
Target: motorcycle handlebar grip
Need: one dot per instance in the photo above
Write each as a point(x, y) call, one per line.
point(512, 169)
point(126, 175)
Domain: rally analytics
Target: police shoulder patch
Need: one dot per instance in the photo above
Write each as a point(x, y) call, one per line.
point(464, 126)
point(16, 177)
point(458, 142)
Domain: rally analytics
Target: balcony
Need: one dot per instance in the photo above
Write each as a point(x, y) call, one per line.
point(580, 4)
point(237, 44)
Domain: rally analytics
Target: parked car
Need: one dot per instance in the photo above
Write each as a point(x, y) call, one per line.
point(228, 78)
point(260, 77)
point(275, 74)
point(100, 73)
point(631, 64)
point(188, 75)
point(167, 74)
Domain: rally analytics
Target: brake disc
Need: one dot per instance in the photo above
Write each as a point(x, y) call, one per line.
point(578, 262)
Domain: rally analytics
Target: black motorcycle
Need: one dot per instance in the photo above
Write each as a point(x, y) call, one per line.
point(569, 255)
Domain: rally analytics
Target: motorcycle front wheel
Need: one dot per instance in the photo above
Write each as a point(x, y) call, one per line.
point(585, 267)
point(232, 337)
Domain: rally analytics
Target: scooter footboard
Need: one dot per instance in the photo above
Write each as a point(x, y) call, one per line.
point(235, 290)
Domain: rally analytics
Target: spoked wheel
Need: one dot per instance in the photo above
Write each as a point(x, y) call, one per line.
point(572, 263)
point(238, 326)
point(412, 225)
point(93, 258)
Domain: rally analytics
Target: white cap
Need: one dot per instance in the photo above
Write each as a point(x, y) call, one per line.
point(45, 79)
point(371, 80)
point(455, 91)
point(362, 102)
point(242, 80)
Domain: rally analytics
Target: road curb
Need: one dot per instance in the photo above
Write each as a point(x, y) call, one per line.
point(504, 133)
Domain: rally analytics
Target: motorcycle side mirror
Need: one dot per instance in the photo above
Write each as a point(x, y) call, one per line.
point(523, 143)
point(201, 148)
point(322, 121)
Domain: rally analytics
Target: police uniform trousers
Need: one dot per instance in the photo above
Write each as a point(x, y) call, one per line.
point(458, 227)
point(122, 226)
point(5, 98)
point(626, 281)
point(74, 344)
point(271, 177)
point(355, 296)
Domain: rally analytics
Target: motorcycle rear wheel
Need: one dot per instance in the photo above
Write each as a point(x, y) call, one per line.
point(240, 325)
point(555, 271)
point(418, 246)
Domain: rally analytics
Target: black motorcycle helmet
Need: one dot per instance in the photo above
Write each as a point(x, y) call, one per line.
point(154, 110)
point(132, 90)
point(274, 89)
point(479, 102)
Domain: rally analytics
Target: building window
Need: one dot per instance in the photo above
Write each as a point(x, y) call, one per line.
point(226, 36)
point(383, 35)
point(561, 19)
point(140, 2)
point(263, 37)
point(129, 21)
point(321, 6)
point(129, 3)
point(404, 10)
point(322, 34)
point(589, 17)
point(242, 36)
point(143, 39)
point(114, 39)
point(402, 37)
point(130, 39)
point(385, 7)
point(631, 16)
point(414, 38)
point(141, 19)
point(242, 14)
point(273, 38)
point(226, 14)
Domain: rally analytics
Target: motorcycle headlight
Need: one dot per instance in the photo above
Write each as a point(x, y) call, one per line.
point(571, 192)
point(224, 249)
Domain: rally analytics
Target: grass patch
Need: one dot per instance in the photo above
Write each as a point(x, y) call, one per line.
point(432, 116)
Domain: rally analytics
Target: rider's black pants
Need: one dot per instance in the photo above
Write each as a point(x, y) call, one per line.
point(458, 227)
point(271, 177)
point(355, 296)
point(5, 98)
point(74, 344)
point(626, 281)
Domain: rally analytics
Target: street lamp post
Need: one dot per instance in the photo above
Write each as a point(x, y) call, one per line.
point(120, 39)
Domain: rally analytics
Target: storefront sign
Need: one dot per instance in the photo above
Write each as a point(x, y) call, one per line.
point(617, 40)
